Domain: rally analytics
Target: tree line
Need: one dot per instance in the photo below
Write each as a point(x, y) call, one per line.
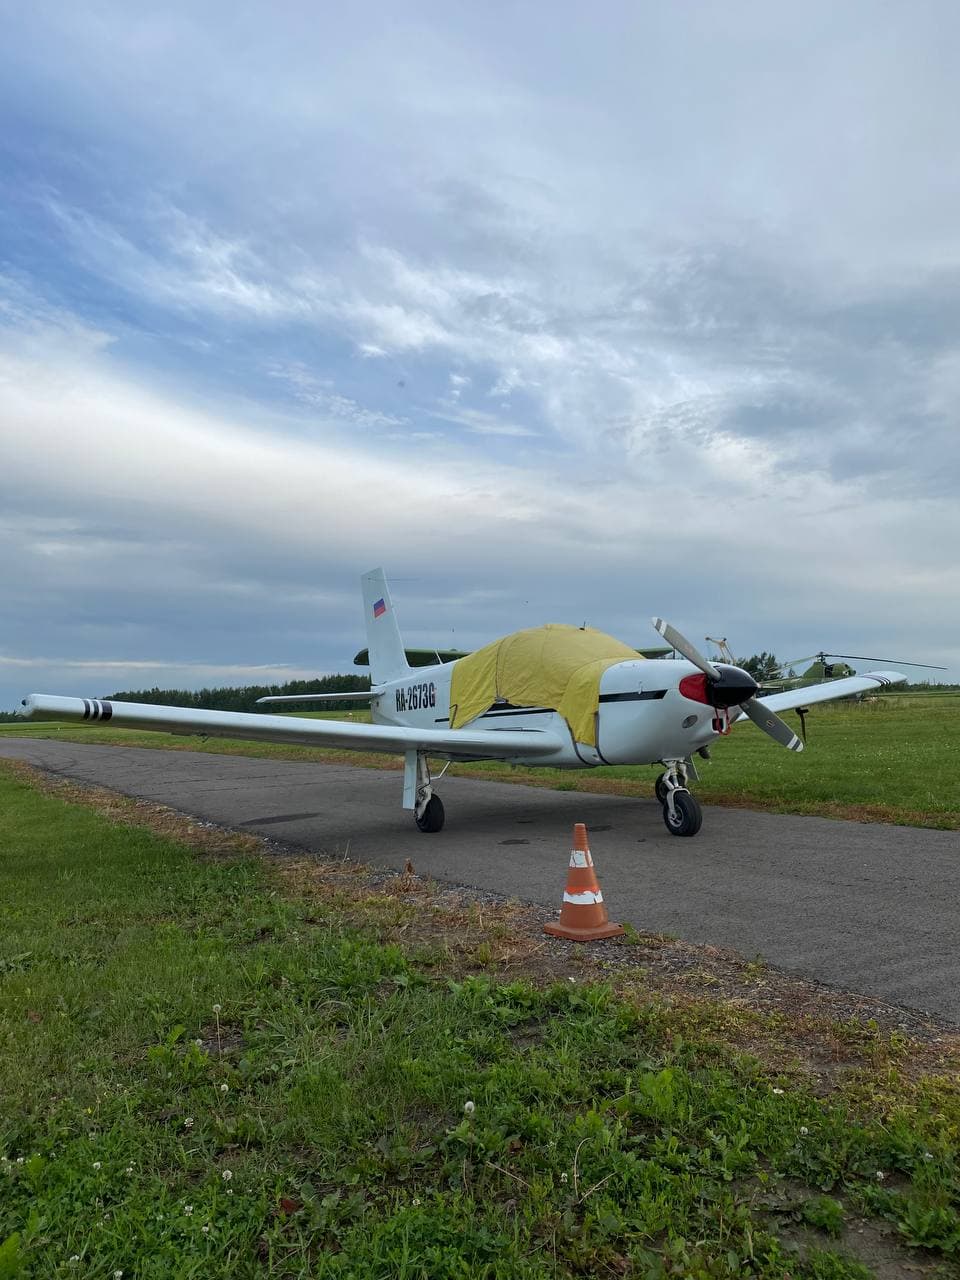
point(228, 698)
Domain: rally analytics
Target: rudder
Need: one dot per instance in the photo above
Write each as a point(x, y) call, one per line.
point(387, 658)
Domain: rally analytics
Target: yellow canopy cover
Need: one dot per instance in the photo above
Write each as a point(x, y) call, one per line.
point(555, 666)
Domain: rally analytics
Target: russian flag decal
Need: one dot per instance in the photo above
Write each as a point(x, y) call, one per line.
point(379, 608)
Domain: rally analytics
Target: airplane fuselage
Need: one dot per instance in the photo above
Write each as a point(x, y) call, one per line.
point(642, 715)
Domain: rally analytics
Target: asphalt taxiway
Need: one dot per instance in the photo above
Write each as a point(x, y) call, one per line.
point(865, 907)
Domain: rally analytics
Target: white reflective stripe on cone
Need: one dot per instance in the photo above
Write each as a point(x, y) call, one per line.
point(581, 858)
point(585, 899)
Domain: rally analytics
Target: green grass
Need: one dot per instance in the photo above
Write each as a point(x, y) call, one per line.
point(207, 1072)
point(890, 760)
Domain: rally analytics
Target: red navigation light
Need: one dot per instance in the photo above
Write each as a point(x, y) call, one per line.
point(695, 688)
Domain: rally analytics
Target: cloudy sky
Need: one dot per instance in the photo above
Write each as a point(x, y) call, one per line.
point(558, 313)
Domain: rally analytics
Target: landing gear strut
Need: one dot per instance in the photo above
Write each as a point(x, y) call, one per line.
point(418, 792)
point(682, 815)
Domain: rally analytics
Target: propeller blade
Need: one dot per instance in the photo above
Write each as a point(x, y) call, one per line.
point(683, 645)
point(771, 724)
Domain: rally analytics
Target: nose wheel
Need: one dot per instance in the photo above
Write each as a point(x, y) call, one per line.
point(682, 815)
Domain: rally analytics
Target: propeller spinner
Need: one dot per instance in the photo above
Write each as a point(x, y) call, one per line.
point(728, 686)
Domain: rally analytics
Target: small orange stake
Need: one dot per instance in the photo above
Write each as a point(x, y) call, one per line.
point(583, 916)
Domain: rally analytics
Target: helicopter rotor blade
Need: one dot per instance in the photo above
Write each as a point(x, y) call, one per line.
point(898, 662)
point(797, 662)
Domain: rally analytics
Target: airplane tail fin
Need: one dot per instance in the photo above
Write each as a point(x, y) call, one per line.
point(387, 658)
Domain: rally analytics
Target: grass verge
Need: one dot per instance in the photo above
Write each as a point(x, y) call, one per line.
point(215, 1063)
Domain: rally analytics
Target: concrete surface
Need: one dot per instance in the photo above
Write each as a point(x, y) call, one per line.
point(869, 908)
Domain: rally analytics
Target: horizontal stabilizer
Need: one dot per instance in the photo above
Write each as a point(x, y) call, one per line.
point(434, 657)
point(417, 657)
point(363, 695)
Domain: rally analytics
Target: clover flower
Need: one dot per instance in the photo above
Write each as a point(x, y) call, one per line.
point(804, 1131)
point(96, 1164)
point(469, 1108)
point(226, 1175)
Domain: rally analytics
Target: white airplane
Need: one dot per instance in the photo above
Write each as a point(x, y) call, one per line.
point(555, 696)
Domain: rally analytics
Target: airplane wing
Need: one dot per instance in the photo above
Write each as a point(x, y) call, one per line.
point(804, 697)
point(493, 744)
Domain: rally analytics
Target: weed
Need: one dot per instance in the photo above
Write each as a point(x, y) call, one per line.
point(825, 1213)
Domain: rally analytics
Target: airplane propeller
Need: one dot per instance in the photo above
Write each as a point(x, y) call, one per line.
point(683, 645)
point(730, 686)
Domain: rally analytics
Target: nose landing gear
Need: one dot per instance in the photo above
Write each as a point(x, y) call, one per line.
point(682, 814)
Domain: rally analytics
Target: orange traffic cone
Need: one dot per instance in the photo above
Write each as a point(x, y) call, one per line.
point(583, 916)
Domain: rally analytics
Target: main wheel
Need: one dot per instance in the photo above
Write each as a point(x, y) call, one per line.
point(660, 789)
point(432, 817)
point(686, 817)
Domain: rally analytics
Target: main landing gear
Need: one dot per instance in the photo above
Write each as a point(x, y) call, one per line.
point(431, 819)
point(682, 814)
point(418, 792)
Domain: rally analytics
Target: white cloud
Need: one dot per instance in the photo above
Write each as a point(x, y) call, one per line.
point(480, 423)
point(321, 395)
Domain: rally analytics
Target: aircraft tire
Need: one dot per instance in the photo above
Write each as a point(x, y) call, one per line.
point(432, 817)
point(687, 815)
